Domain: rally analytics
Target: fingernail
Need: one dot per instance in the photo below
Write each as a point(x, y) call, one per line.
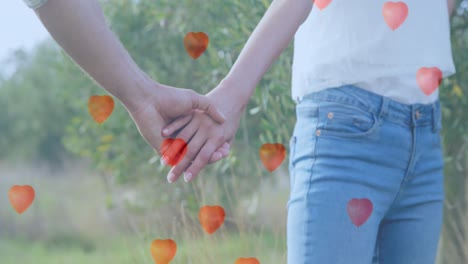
point(163, 161)
point(217, 156)
point(170, 177)
point(187, 177)
point(165, 131)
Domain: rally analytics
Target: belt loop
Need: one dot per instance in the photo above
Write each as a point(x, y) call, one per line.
point(383, 107)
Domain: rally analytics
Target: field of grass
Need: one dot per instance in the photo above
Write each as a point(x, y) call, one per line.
point(69, 224)
point(267, 249)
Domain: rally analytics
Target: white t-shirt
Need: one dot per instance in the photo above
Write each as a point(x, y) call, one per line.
point(349, 42)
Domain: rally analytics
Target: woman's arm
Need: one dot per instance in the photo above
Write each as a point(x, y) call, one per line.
point(271, 36)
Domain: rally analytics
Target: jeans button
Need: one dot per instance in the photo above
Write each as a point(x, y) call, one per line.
point(330, 115)
point(318, 132)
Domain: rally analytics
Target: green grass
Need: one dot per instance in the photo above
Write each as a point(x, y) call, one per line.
point(266, 247)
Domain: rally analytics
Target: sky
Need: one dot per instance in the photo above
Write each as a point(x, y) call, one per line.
point(19, 28)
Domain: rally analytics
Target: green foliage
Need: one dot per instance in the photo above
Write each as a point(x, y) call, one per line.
point(454, 97)
point(34, 112)
point(66, 241)
point(45, 112)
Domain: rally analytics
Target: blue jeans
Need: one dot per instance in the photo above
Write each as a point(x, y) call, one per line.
point(366, 175)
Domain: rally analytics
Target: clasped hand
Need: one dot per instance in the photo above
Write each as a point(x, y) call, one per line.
point(207, 140)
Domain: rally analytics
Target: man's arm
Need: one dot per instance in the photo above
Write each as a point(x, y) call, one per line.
point(80, 29)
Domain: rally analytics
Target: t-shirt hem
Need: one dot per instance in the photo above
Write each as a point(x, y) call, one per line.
point(301, 84)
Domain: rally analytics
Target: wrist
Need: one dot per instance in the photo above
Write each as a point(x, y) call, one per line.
point(136, 92)
point(238, 91)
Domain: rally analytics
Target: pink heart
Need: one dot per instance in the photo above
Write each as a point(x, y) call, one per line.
point(429, 79)
point(395, 14)
point(321, 4)
point(359, 210)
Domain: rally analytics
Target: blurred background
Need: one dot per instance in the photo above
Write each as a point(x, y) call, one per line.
point(101, 193)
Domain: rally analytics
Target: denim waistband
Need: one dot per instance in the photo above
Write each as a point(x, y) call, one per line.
point(409, 115)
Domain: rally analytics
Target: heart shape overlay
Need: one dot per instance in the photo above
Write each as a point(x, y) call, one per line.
point(173, 150)
point(100, 107)
point(429, 79)
point(359, 210)
point(247, 261)
point(211, 218)
point(21, 197)
point(395, 13)
point(322, 4)
point(196, 43)
point(272, 155)
point(163, 250)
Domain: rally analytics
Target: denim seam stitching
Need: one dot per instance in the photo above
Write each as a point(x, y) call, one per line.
point(412, 162)
point(380, 242)
point(405, 178)
point(308, 189)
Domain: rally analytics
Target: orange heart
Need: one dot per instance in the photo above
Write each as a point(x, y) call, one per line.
point(321, 4)
point(163, 251)
point(395, 14)
point(196, 43)
point(272, 155)
point(211, 218)
point(247, 261)
point(429, 79)
point(173, 150)
point(100, 107)
point(21, 197)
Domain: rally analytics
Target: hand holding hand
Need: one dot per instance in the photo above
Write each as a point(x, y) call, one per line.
point(162, 104)
point(204, 135)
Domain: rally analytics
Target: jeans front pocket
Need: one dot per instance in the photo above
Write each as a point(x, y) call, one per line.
point(339, 119)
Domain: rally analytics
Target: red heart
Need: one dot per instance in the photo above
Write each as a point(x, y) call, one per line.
point(321, 4)
point(211, 218)
point(173, 150)
point(429, 79)
point(163, 251)
point(395, 14)
point(247, 261)
point(359, 210)
point(100, 107)
point(21, 197)
point(272, 155)
point(196, 43)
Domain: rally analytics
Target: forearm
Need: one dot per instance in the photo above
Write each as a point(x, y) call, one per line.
point(271, 36)
point(80, 29)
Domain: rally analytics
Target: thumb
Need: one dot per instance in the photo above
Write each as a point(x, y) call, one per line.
point(203, 103)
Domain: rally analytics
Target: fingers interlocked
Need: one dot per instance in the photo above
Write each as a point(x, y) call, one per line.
point(206, 144)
